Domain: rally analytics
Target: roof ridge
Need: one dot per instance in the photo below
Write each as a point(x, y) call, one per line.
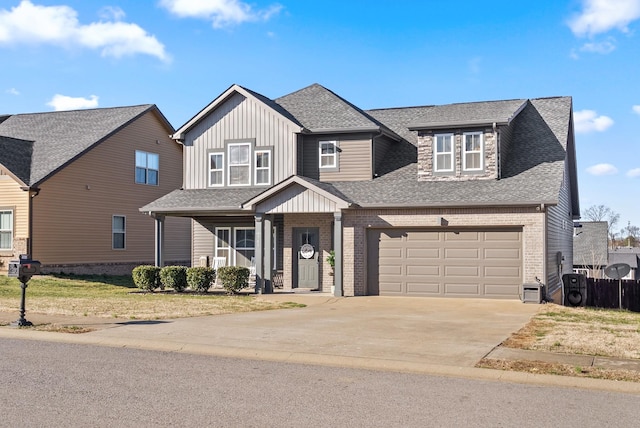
point(148, 105)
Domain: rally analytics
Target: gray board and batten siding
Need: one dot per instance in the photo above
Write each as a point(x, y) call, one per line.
point(240, 118)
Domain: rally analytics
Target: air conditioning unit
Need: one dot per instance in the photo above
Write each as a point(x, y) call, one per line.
point(531, 293)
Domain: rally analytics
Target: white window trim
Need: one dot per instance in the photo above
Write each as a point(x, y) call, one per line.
point(268, 169)
point(229, 247)
point(11, 231)
point(465, 151)
point(236, 249)
point(146, 182)
point(216, 170)
point(334, 156)
point(228, 165)
point(114, 231)
point(436, 153)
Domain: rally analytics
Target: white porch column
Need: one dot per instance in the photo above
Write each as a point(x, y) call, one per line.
point(159, 240)
point(337, 242)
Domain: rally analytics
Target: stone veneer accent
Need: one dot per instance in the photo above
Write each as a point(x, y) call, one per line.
point(356, 223)
point(425, 157)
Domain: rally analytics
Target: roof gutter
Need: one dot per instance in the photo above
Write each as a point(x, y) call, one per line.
point(449, 125)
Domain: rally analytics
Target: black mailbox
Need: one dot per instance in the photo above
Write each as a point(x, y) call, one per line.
point(23, 269)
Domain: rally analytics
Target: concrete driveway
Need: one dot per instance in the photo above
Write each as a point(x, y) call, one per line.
point(373, 332)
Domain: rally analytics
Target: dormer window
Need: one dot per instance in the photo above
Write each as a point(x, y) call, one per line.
point(328, 154)
point(443, 153)
point(472, 151)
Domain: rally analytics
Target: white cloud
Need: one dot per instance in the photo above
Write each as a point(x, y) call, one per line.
point(63, 102)
point(636, 109)
point(602, 169)
point(112, 13)
point(12, 91)
point(600, 48)
point(633, 173)
point(59, 26)
point(220, 12)
point(589, 121)
point(600, 16)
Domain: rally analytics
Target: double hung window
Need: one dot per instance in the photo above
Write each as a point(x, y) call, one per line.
point(443, 153)
point(216, 169)
point(263, 167)
point(472, 152)
point(328, 154)
point(239, 172)
point(119, 232)
point(6, 229)
point(147, 168)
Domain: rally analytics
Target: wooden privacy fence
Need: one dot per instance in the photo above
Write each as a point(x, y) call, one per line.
point(603, 293)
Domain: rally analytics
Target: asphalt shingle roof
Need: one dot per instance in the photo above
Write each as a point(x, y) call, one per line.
point(590, 244)
point(533, 174)
point(58, 137)
point(203, 200)
point(317, 109)
point(16, 155)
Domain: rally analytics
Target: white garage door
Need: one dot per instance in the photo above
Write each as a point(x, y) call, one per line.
point(472, 263)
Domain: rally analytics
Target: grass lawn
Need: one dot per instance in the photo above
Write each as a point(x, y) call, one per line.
point(118, 297)
point(587, 331)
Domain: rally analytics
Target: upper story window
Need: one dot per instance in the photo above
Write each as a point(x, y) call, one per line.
point(263, 167)
point(147, 168)
point(216, 169)
point(328, 154)
point(241, 163)
point(6, 230)
point(472, 151)
point(118, 232)
point(239, 171)
point(443, 153)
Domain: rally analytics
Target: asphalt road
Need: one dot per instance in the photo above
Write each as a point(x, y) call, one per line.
point(56, 384)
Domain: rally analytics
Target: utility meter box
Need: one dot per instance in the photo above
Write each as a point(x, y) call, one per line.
point(24, 268)
point(531, 293)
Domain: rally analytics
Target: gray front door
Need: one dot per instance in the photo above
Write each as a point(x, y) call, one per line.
point(306, 250)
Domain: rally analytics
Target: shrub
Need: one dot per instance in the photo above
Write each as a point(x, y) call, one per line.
point(146, 277)
point(174, 277)
point(233, 278)
point(200, 278)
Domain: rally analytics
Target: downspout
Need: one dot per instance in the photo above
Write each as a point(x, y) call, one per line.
point(498, 164)
point(32, 194)
point(546, 251)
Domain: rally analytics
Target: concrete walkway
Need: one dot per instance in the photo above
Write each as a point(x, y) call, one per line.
point(425, 335)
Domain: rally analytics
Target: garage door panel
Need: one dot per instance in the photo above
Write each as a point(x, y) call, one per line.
point(513, 272)
point(423, 236)
point(453, 271)
point(462, 289)
point(423, 270)
point(390, 287)
point(502, 253)
point(462, 236)
point(423, 253)
point(501, 290)
point(480, 263)
point(423, 288)
point(462, 253)
point(391, 253)
point(512, 236)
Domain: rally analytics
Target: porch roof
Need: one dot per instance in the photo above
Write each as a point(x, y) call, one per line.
point(202, 202)
point(299, 194)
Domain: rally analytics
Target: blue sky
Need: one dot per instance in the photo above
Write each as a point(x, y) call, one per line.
point(181, 54)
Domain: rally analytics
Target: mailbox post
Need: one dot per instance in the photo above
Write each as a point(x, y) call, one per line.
point(23, 269)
